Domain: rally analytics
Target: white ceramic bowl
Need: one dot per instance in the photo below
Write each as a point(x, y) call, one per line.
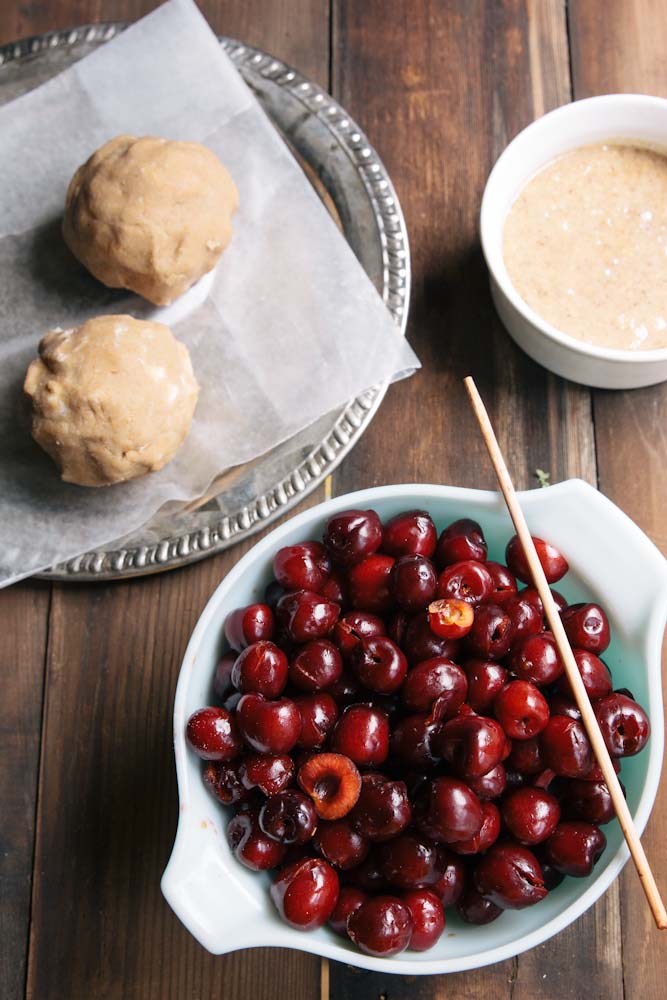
point(597, 119)
point(227, 907)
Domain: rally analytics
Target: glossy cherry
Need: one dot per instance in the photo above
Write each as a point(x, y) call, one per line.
point(270, 773)
point(574, 847)
point(491, 633)
point(333, 783)
point(224, 780)
point(471, 745)
point(521, 709)
point(589, 801)
point(466, 581)
point(247, 625)
point(565, 747)
point(354, 626)
point(530, 814)
point(341, 844)
point(380, 664)
point(434, 678)
point(475, 908)
point(450, 618)
point(460, 541)
point(510, 876)
point(250, 845)
point(454, 812)
point(409, 860)
point(413, 742)
point(504, 583)
point(587, 627)
point(490, 785)
point(369, 584)
point(525, 614)
point(485, 680)
point(594, 674)
point(382, 926)
point(452, 877)
point(536, 658)
point(411, 532)
point(349, 899)
point(317, 665)
point(487, 834)
point(362, 734)
point(352, 535)
point(288, 817)
point(428, 919)
point(305, 893)
point(304, 615)
point(213, 734)
point(421, 643)
point(383, 808)
point(412, 582)
point(623, 723)
point(318, 712)
point(302, 567)
point(526, 756)
point(553, 563)
point(268, 726)
point(262, 668)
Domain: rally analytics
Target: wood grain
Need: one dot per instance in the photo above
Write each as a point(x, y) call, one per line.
point(624, 51)
point(23, 621)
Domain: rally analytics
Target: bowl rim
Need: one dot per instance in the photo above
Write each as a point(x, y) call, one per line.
point(494, 258)
point(281, 935)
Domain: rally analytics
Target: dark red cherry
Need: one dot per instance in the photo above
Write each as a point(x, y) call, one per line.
point(560, 705)
point(526, 615)
point(471, 745)
point(412, 582)
point(369, 584)
point(536, 658)
point(460, 541)
point(222, 678)
point(379, 664)
point(213, 734)
point(421, 643)
point(247, 625)
point(466, 581)
point(413, 742)
point(435, 678)
point(594, 674)
point(451, 879)
point(250, 845)
point(510, 876)
point(411, 532)
point(288, 817)
point(303, 615)
point(397, 626)
point(521, 709)
point(383, 808)
point(428, 920)
point(270, 773)
point(317, 665)
point(491, 633)
point(334, 588)
point(530, 814)
point(302, 567)
point(589, 801)
point(261, 667)
point(354, 626)
point(382, 926)
point(490, 785)
point(587, 627)
point(553, 563)
point(623, 723)
point(565, 747)
point(352, 535)
point(341, 844)
point(526, 756)
point(475, 908)
point(454, 812)
point(318, 712)
point(224, 780)
point(362, 734)
point(574, 848)
point(485, 680)
point(409, 861)
point(305, 893)
point(268, 726)
point(487, 834)
point(349, 899)
point(504, 584)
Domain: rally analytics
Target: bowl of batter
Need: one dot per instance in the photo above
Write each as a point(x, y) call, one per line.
point(574, 232)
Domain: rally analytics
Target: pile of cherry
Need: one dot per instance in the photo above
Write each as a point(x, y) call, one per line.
point(397, 735)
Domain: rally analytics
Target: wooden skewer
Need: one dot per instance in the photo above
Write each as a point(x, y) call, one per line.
point(581, 697)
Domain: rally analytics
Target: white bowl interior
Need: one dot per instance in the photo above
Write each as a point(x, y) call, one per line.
point(617, 117)
point(227, 907)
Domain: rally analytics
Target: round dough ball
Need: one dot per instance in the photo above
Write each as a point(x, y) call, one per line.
point(112, 399)
point(152, 215)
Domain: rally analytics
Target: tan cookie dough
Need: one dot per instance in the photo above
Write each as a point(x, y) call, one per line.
point(151, 215)
point(112, 399)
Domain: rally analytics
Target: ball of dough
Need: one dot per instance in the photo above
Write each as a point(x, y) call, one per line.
point(112, 399)
point(149, 214)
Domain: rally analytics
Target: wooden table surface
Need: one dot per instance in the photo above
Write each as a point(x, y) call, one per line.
point(87, 786)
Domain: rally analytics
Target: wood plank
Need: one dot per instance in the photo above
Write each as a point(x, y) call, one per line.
point(440, 88)
point(23, 626)
point(108, 803)
point(624, 51)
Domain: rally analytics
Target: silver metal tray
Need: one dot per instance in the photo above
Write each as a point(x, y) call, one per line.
point(351, 179)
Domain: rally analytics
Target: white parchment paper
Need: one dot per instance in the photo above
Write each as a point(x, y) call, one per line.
point(290, 329)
